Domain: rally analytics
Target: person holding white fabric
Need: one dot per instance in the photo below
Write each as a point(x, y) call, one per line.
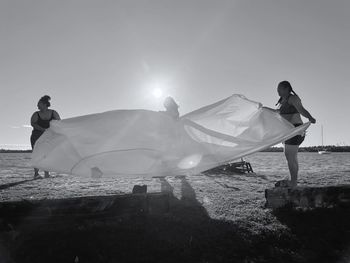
point(290, 108)
point(172, 108)
point(40, 121)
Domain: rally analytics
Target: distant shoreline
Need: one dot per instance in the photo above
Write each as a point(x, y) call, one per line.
point(331, 148)
point(14, 151)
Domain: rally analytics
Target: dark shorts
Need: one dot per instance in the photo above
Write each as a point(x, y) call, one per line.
point(296, 140)
point(35, 136)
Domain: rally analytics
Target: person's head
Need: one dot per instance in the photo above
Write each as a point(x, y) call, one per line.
point(44, 102)
point(169, 103)
point(284, 88)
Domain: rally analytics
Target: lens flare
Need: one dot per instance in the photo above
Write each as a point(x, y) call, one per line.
point(190, 161)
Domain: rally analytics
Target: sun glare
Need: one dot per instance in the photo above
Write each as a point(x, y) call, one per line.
point(157, 93)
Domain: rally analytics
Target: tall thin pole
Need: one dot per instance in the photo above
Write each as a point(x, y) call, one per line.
point(322, 134)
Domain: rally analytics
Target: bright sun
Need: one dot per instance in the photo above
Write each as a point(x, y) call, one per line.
point(157, 93)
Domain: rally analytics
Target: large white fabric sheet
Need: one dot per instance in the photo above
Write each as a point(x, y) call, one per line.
point(148, 143)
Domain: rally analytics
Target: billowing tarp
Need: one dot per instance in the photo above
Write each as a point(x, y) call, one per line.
point(149, 143)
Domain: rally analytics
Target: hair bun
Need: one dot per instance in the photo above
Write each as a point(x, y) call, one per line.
point(46, 98)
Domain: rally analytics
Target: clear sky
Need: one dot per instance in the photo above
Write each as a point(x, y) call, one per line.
point(94, 56)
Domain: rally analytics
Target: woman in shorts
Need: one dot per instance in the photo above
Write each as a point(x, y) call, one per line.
point(291, 108)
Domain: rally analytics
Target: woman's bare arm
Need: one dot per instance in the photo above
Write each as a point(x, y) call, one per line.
point(56, 116)
point(296, 102)
point(274, 110)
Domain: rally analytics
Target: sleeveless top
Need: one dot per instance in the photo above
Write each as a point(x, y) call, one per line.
point(287, 108)
point(44, 123)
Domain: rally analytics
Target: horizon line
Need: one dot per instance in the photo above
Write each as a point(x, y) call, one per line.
point(28, 147)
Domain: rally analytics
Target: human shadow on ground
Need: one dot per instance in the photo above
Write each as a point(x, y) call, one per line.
point(9, 185)
point(187, 205)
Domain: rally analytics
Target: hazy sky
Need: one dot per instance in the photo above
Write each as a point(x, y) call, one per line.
point(94, 56)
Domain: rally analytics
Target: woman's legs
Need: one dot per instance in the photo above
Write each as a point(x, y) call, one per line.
point(33, 138)
point(291, 153)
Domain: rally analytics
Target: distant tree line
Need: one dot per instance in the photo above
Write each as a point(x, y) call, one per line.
point(331, 148)
point(14, 151)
